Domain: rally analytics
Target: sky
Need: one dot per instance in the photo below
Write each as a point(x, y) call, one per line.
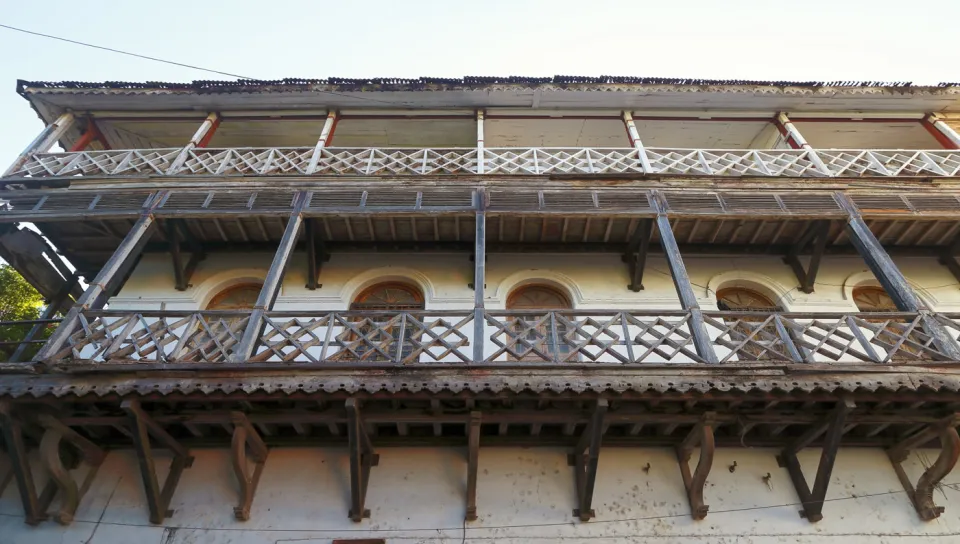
point(726, 39)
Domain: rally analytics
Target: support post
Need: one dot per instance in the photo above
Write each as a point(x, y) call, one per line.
point(636, 255)
point(922, 496)
point(481, 166)
point(362, 458)
point(271, 285)
point(473, 461)
point(200, 139)
point(816, 236)
point(20, 465)
point(177, 231)
point(50, 135)
point(91, 133)
point(944, 133)
point(893, 281)
point(701, 435)
point(244, 436)
point(833, 425)
point(326, 134)
point(106, 282)
point(479, 278)
point(681, 281)
point(60, 479)
point(53, 306)
point(158, 500)
point(316, 253)
point(586, 458)
point(634, 136)
point(795, 140)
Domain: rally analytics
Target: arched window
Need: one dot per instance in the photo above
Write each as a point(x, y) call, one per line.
point(238, 297)
point(872, 298)
point(376, 336)
point(763, 344)
point(532, 338)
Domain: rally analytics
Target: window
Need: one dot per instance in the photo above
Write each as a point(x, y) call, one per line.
point(871, 298)
point(238, 297)
point(874, 299)
point(534, 328)
point(740, 299)
point(380, 324)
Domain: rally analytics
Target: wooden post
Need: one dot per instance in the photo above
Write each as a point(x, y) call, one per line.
point(681, 281)
point(53, 306)
point(17, 450)
point(43, 142)
point(325, 135)
point(106, 281)
point(200, 139)
point(481, 167)
point(473, 460)
point(91, 133)
point(893, 281)
point(944, 133)
point(586, 458)
point(796, 141)
point(479, 277)
point(635, 141)
point(271, 285)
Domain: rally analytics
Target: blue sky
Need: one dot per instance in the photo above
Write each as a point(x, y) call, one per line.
point(757, 39)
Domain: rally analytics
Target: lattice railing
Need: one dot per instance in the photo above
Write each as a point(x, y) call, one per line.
point(426, 337)
point(371, 161)
point(154, 336)
point(816, 337)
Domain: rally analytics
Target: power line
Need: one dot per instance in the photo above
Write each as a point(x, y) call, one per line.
point(112, 50)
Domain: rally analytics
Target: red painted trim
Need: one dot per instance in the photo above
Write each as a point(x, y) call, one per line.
point(89, 135)
point(787, 137)
point(941, 138)
point(333, 130)
point(209, 135)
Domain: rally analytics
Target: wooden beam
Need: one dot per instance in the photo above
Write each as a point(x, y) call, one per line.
point(922, 495)
point(636, 256)
point(209, 124)
point(817, 235)
point(473, 461)
point(481, 165)
point(158, 499)
point(812, 501)
point(939, 129)
point(326, 135)
point(585, 460)
point(795, 140)
point(34, 513)
point(316, 253)
point(479, 279)
point(246, 436)
point(53, 306)
point(634, 136)
point(49, 137)
point(701, 435)
point(362, 458)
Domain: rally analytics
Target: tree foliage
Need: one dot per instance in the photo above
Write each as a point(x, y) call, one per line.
point(19, 301)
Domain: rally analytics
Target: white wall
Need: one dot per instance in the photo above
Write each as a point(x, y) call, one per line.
point(523, 495)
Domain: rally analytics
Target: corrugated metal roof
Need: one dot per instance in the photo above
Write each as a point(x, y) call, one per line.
point(428, 83)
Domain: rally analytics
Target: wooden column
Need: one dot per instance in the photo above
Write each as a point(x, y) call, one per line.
point(326, 134)
point(635, 141)
point(43, 142)
point(681, 281)
point(481, 167)
point(893, 281)
point(479, 276)
point(944, 133)
point(271, 285)
point(796, 141)
point(107, 280)
point(200, 139)
point(91, 133)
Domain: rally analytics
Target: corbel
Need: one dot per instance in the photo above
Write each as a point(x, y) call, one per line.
point(362, 459)
point(473, 460)
point(316, 253)
point(922, 496)
point(585, 459)
point(34, 511)
point(61, 481)
point(636, 255)
point(143, 426)
point(701, 435)
point(246, 436)
point(815, 236)
point(833, 426)
point(177, 231)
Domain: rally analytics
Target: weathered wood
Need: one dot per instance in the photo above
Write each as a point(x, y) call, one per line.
point(199, 139)
point(244, 436)
point(362, 458)
point(53, 306)
point(34, 512)
point(481, 166)
point(60, 479)
point(944, 133)
point(316, 253)
point(326, 134)
point(158, 499)
point(473, 461)
point(634, 136)
point(50, 135)
point(701, 435)
point(585, 460)
point(812, 501)
point(816, 235)
point(922, 496)
point(479, 281)
point(636, 256)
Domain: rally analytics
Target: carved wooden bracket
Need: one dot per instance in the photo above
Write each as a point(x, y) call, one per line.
point(585, 459)
point(362, 458)
point(922, 496)
point(473, 459)
point(33, 511)
point(60, 479)
point(701, 435)
point(833, 426)
point(245, 435)
point(144, 427)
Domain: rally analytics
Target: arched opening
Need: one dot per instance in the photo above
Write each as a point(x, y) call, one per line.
point(376, 336)
point(238, 297)
point(532, 338)
point(873, 298)
point(764, 343)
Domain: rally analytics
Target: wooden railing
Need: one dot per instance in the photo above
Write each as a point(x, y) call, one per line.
point(432, 337)
point(279, 161)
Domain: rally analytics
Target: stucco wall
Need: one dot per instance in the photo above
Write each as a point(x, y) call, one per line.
point(524, 495)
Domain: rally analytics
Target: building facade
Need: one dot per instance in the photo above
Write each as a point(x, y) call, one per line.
point(562, 309)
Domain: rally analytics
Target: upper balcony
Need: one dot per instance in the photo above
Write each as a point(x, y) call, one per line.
point(632, 132)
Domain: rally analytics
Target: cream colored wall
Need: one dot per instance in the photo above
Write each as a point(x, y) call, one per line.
point(594, 281)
